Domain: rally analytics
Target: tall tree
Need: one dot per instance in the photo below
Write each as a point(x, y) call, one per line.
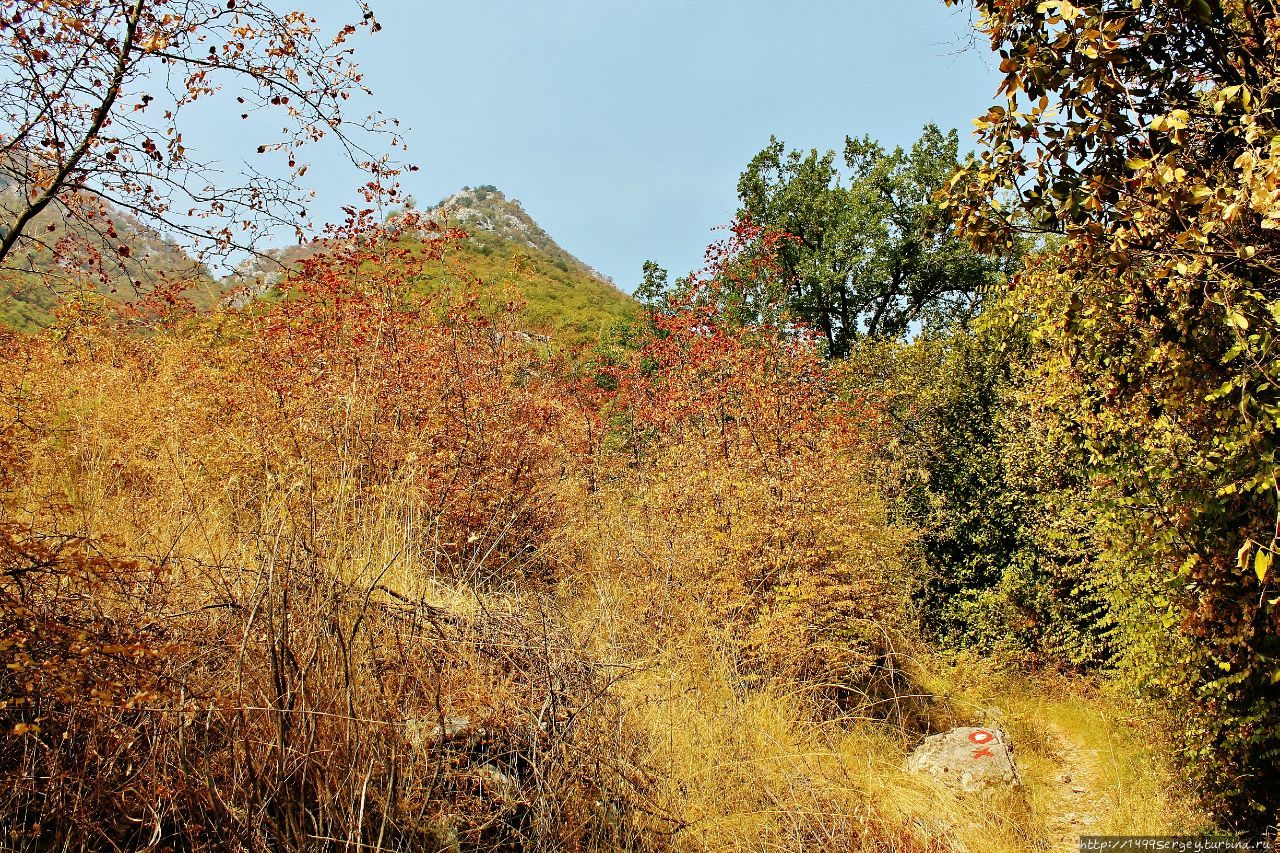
point(1146, 133)
point(873, 254)
point(92, 117)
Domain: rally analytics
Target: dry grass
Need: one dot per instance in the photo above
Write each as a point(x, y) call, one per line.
point(750, 745)
point(241, 609)
point(1113, 747)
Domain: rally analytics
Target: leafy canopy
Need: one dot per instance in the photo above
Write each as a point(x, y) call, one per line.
point(1145, 133)
point(873, 254)
point(93, 120)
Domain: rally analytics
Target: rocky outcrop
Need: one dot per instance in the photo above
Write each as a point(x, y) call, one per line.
point(968, 758)
point(486, 210)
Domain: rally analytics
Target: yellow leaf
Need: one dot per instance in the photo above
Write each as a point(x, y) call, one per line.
point(1261, 564)
point(1242, 555)
point(1176, 120)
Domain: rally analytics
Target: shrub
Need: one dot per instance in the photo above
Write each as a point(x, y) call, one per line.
point(1003, 571)
point(323, 615)
point(731, 495)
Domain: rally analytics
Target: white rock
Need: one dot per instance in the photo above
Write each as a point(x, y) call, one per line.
point(968, 758)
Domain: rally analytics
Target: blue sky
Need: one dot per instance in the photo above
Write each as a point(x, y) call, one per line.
point(622, 127)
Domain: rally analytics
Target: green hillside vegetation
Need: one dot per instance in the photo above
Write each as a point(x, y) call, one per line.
point(563, 297)
point(33, 283)
point(508, 257)
point(28, 302)
point(566, 303)
point(487, 210)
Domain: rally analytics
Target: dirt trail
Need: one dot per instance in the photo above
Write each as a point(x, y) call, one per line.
point(1078, 805)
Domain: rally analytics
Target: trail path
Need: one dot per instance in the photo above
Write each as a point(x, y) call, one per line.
point(1077, 804)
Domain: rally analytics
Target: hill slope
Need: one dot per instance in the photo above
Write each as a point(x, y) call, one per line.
point(564, 297)
point(509, 256)
point(487, 211)
point(33, 280)
point(507, 253)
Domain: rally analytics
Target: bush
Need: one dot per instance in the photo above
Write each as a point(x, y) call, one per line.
point(1166, 505)
point(324, 615)
point(731, 495)
point(1003, 571)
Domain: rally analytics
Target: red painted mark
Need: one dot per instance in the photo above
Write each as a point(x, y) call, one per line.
point(982, 736)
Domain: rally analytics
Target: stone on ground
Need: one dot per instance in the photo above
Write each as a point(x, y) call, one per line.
point(968, 758)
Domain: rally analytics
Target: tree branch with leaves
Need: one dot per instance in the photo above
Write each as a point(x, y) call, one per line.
point(93, 110)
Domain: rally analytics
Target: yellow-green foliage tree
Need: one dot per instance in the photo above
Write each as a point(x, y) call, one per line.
point(1004, 560)
point(1145, 132)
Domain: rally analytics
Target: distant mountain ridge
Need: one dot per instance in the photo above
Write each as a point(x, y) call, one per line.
point(506, 248)
point(134, 259)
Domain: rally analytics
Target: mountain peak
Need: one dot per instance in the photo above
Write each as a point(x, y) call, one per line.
point(487, 210)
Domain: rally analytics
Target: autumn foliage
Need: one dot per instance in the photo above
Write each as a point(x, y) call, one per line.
point(362, 562)
point(310, 572)
point(224, 546)
point(744, 494)
point(1144, 134)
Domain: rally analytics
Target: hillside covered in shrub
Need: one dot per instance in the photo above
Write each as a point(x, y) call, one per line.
point(425, 536)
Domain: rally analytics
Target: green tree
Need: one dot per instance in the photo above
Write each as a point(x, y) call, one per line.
point(873, 254)
point(1004, 556)
point(653, 287)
